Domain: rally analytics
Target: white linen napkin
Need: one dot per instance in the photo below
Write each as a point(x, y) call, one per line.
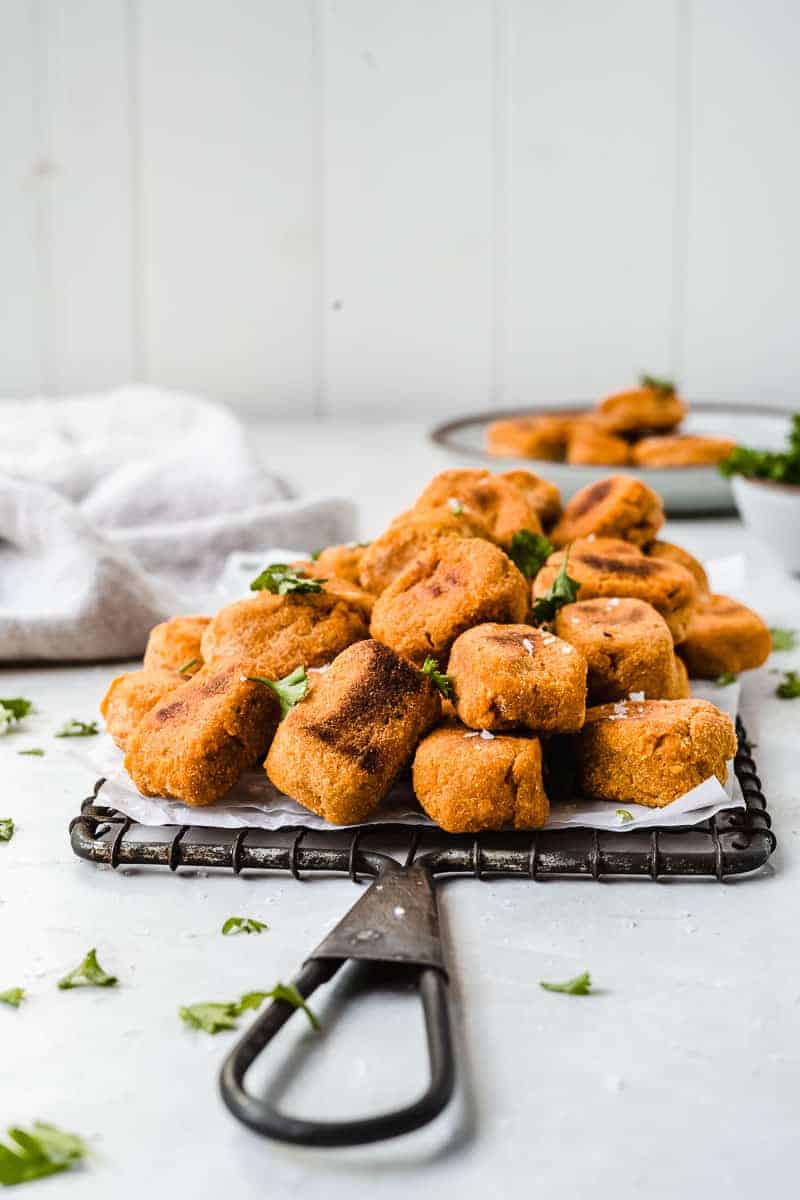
point(119, 510)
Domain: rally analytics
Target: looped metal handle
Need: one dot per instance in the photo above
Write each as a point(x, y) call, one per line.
point(395, 922)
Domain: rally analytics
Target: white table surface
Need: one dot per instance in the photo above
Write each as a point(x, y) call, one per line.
point(680, 1074)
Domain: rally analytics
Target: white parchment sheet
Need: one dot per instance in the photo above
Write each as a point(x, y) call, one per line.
point(256, 803)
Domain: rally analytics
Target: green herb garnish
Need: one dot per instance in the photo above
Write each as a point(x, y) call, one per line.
point(665, 386)
point(280, 579)
point(443, 682)
point(725, 679)
point(529, 551)
point(6, 829)
point(316, 553)
point(243, 925)
point(34, 752)
point(289, 690)
point(784, 639)
point(12, 996)
point(780, 467)
point(187, 666)
point(88, 973)
point(44, 1150)
point(77, 729)
point(12, 711)
point(623, 815)
point(563, 590)
point(212, 1018)
point(581, 985)
point(789, 687)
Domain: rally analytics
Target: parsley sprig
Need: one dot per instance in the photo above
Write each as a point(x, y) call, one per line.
point(665, 386)
point(243, 925)
point(219, 1015)
point(43, 1150)
point(789, 687)
point(6, 829)
point(280, 579)
point(12, 711)
point(187, 666)
point(88, 973)
point(780, 467)
point(783, 639)
point(623, 816)
point(581, 985)
point(529, 551)
point(725, 679)
point(13, 996)
point(563, 590)
point(75, 728)
point(290, 690)
point(443, 682)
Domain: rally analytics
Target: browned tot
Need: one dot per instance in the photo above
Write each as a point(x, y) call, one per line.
point(274, 634)
point(543, 437)
point(502, 507)
point(390, 554)
point(454, 584)
point(195, 744)
point(176, 643)
point(340, 750)
point(130, 696)
point(341, 562)
point(724, 636)
point(673, 553)
point(685, 450)
point(652, 752)
point(627, 645)
point(589, 445)
point(642, 409)
point(516, 676)
point(344, 589)
point(467, 782)
point(542, 495)
point(619, 507)
point(670, 588)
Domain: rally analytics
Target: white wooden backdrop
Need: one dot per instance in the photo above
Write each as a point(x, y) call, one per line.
point(338, 207)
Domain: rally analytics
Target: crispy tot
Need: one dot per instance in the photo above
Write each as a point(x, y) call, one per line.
point(543, 496)
point(640, 410)
point(500, 505)
point(467, 783)
point(589, 444)
point(619, 506)
point(341, 562)
point(543, 437)
point(651, 752)
point(194, 744)
point(176, 642)
point(131, 695)
point(670, 588)
point(272, 634)
point(724, 636)
point(454, 584)
point(345, 589)
point(339, 751)
point(517, 676)
point(673, 553)
point(681, 689)
point(390, 554)
point(627, 645)
point(683, 450)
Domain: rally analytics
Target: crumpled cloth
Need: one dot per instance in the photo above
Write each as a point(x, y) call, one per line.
point(119, 510)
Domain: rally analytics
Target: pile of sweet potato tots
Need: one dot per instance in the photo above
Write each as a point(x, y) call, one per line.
point(508, 650)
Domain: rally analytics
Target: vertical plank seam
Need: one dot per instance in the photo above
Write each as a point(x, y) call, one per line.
point(682, 192)
point(501, 214)
point(42, 171)
point(318, 200)
point(137, 296)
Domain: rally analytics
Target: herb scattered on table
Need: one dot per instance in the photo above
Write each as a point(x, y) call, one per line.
point(88, 973)
point(34, 752)
point(780, 467)
point(789, 687)
point(289, 690)
point(13, 996)
point(784, 639)
point(214, 1017)
point(725, 679)
point(280, 579)
point(43, 1150)
point(6, 829)
point(443, 682)
point(665, 386)
point(563, 590)
point(623, 816)
point(75, 728)
point(581, 985)
point(12, 711)
point(529, 551)
point(243, 925)
point(187, 666)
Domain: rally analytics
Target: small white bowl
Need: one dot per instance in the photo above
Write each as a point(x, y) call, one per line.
point(772, 512)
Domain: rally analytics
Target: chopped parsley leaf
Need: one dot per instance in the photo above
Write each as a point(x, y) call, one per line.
point(13, 996)
point(187, 666)
point(6, 829)
point(789, 687)
point(88, 973)
point(289, 690)
point(243, 925)
point(655, 384)
point(725, 679)
point(784, 639)
point(623, 815)
point(44, 1150)
point(75, 728)
point(443, 682)
point(563, 590)
point(581, 985)
point(529, 551)
point(213, 1017)
point(34, 752)
point(12, 711)
point(280, 579)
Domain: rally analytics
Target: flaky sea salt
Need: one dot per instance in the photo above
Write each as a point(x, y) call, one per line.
point(613, 603)
point(474, 734)
point(566, 649)
point(319, 670)
point(637, 696)
point(528, 644)
point(487, 735)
